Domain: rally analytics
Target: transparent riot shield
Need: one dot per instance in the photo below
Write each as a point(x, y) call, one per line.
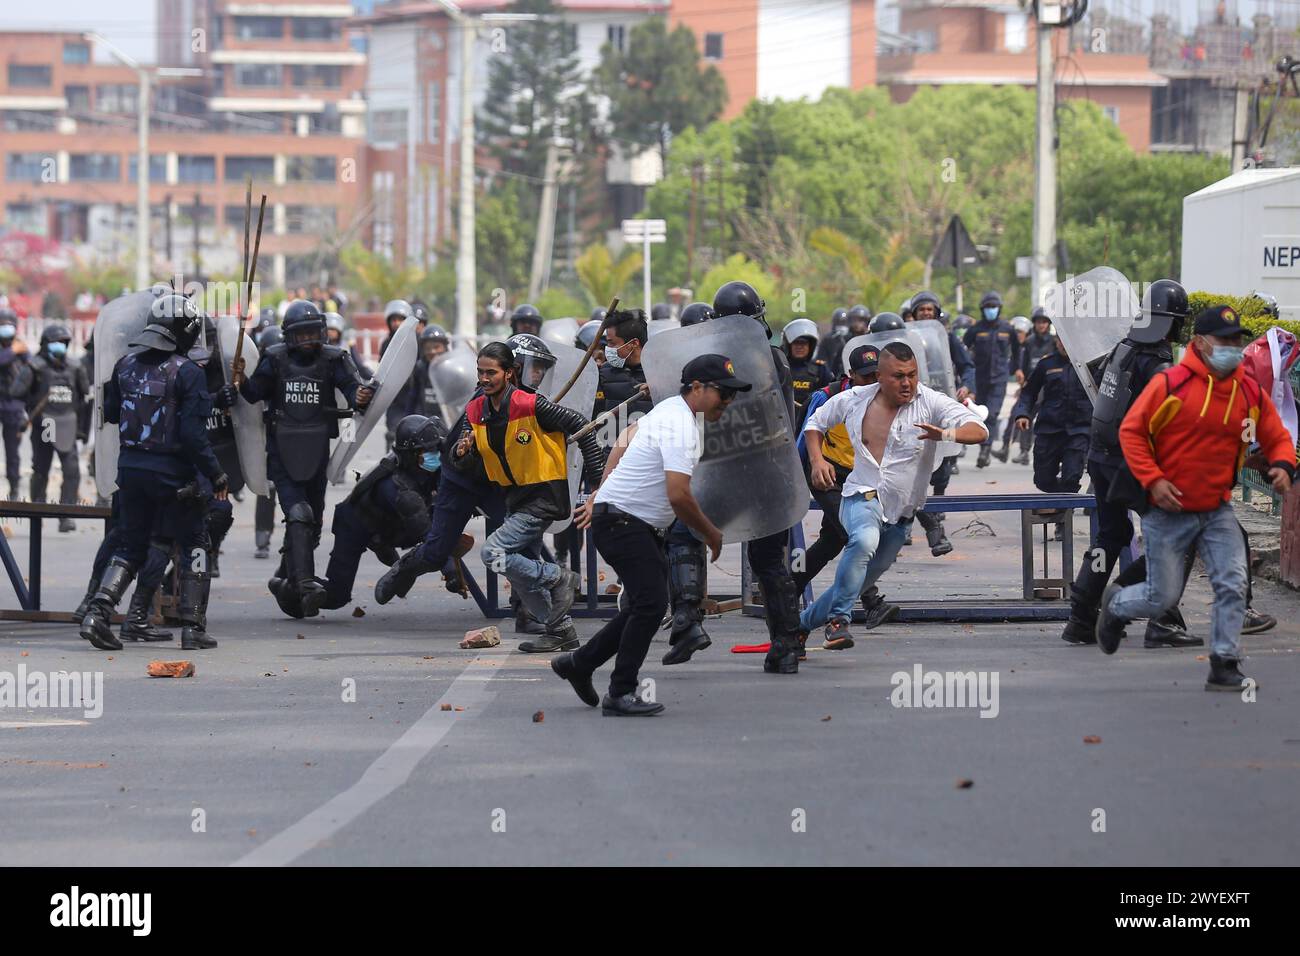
point(749, 481)
point(119, 322)
point(881, 339)
point(1092, 313)
point(581, 398)
point(454, 376)
point(250, 428)
point(559, 332)
point(393, 372)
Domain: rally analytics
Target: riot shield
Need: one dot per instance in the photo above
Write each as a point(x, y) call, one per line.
point(656, 326)
point(119, 322)
point(1092, 313)
point(559, 332)
point(392, 374)
point(938, 364)
point(454, 376)
point(581, 398)
point(881, 339)
point(249, 426)
point(749, 481)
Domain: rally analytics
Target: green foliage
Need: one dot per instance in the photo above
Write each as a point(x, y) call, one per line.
point(656, 88)
point(602, 278)
point(375, 276)
point(737, 267)
point(503, 242)
point(99, 277)
point(1251, 311)
point(556, 303)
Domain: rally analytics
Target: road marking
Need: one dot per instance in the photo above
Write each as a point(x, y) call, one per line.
point(388, 772)
point(21, 724)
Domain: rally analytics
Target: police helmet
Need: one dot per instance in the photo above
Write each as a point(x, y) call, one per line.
point(840, 322)
point(418, 433)
point(1164, 308)
point(1021, 324)
point(697, 312)
point(421, 312)
point(961, 323)
point(925, 297)
point(886, 322)
point(741, 298)
point(398, 309)
point(598, 315)
point(990, 300)
point(1039, 313)
point(271, 335)
point(303, 324)
point(334, 323)
point(175, 322)
point(526, 318)
point(800, 329)
point(533, 358)
point(55, 333)
point(587, 333)
point(905, 309)
point(435, 333)
point(661, 312)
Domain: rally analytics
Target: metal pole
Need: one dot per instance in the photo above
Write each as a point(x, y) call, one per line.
point(142, 265)
point(1240, 125)
point(1044, 272)
point(466, 309)
point(647, 273)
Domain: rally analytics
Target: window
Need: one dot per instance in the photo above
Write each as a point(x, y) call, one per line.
point(713, 46)
point(196, 169)
point(116, 98)
point(310, 220)
point(388, 126)
point(18, 121)
point(435, 113)
point(207, 215)
point(570, 37)
point(317, 77)
point(1111, 113)
point(78, 98)
point(324, 123)
point(259, 28)
point(29, 167)
point(309, 169)
point(157, 167)
point(94, 168)
point(239, 168)
point(258, 74)
point(76, 53)
point(26, 217)
point(615, 34)
point(360, 43)
point(317, 28)
point(29, 76)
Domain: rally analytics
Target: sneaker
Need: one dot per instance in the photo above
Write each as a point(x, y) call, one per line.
point(878, 613)
point(1257, 623)
point(838, 636)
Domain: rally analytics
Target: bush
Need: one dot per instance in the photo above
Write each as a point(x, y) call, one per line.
point(1250, 309)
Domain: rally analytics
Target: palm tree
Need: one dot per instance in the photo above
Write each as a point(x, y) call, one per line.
point(880, 281)
point(377, 277)
point(601, 276)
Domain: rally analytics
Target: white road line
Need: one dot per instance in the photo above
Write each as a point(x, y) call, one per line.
point(389, 771)
point(22, 724)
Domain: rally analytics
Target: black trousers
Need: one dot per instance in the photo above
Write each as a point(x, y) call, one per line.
point(830, 542)
point(264, 512)
point(149, 509)
point(290, 492)
point(12, 423)
point(43, 453)
point(1058, 462)
point(635, 551)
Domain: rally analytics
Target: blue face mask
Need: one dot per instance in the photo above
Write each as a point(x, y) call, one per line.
point(431, 461)
point(58, 349)
point(991, 312)
point(1224, 358)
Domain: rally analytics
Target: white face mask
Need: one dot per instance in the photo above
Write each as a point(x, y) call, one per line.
point(613, 358)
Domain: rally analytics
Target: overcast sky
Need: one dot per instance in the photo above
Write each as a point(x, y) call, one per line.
point(130, 23)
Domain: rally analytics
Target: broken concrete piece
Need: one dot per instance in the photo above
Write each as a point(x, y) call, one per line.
point(489, 636)
point(171, 669)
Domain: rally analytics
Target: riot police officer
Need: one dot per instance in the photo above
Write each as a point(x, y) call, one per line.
point(925, 306)
point(336, 333)
point(390, 506)
point(696, 313)
point(264, 508)
point(587, 334)
point(157, 399)
point(396, 312)
point(799, 340)
point(831, 348)
point(860, 320)
point(526, 319)
point(59, 392)
point(905, 310)
point(622, 374)
point(1131, 365)
point(421, 398)
point(996, 351)
point(15, 382)
point(1063, 424)
point(1037, 344)
point(297, 379)
point(686, 564)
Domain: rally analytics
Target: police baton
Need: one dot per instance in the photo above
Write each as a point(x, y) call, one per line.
point(237, 377)
point(591, 350)
point(642, 391)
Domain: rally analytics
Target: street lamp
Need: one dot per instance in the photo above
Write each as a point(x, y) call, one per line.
point(142, 277)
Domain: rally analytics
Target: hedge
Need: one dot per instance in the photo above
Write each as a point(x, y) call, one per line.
point(1250, 309)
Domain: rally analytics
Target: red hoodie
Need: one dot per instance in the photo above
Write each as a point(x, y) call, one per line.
point(1193, 429)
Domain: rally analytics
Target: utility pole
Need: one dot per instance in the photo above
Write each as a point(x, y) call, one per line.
point(1240, 129)
point(167, 229)
point(544, 243)
point(198, 208)
point(1044, 270)
point(690, 229)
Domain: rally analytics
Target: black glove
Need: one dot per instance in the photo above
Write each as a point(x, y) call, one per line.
point(221, 482)
point(225, 397)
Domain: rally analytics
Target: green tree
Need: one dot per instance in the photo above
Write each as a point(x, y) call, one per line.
point(504, 241)
point(375, 276)
point(738, 268)
point(602, 278)
point(656, 87)
point(536, 92)
point(881, 279)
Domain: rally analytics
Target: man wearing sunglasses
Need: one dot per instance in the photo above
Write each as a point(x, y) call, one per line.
point(646, 486)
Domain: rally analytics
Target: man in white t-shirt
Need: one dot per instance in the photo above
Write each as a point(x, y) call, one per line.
point(646, 485)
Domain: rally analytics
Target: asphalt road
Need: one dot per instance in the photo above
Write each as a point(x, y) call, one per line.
point(264, 757)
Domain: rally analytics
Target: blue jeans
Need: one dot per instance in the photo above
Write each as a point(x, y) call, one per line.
point(873, 544)
point(515, 550)
point(1167, 537)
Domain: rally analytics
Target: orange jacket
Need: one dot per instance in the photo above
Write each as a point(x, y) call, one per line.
point(1193, 429)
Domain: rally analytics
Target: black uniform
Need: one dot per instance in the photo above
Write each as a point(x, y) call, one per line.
point(805, 378)
point(1033, 349)
point(1063, 424)
point(56, 402)
point(616, 386)
point(419, 393)
point(15, 383)
point(830, 351)
point(996, 351)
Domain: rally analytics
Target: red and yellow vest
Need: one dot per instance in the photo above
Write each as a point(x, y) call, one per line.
point(533, 455)
point(836, 447)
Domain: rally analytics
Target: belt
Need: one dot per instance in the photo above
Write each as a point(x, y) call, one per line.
point(604, 509)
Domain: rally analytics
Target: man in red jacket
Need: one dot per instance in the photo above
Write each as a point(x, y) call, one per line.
point(1185, 439)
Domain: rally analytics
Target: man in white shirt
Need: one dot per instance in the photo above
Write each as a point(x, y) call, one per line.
point(646, 485)
point(893, 427)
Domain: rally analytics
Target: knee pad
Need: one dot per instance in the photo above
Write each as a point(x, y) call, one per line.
point(301, 513)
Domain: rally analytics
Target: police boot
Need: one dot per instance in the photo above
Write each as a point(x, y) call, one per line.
point(400, 578)
point(686, 576)
point(781, 607)
point(1002, 453)
point(136, 627)
point(13, 490)
point(1170, 630)
point(1085, 597)
point(89, 596)
point(983, 460)
point(935, 536)
point(262, 540)
point(96, 626)
point(300, 558)
point(1022, 458)
point(36, 487)
point(214, 563)
point(67, 524)
point(194, 612)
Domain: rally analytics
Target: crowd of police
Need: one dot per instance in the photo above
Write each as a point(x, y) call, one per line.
point(195, 410)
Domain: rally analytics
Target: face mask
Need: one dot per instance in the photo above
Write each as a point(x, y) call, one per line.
point(58, 349)
point(991, 313)
point(613, 358)
point(7, 333)
point(431, 461)
point(1224, 358)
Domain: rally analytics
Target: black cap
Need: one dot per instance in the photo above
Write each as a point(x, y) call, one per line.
point(864, 358)
point(1219, 320)
point(713, 368)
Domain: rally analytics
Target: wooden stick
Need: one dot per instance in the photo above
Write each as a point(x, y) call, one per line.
point(591, 350)
point(642, 391)
point(248, 224)
point(237, 377)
